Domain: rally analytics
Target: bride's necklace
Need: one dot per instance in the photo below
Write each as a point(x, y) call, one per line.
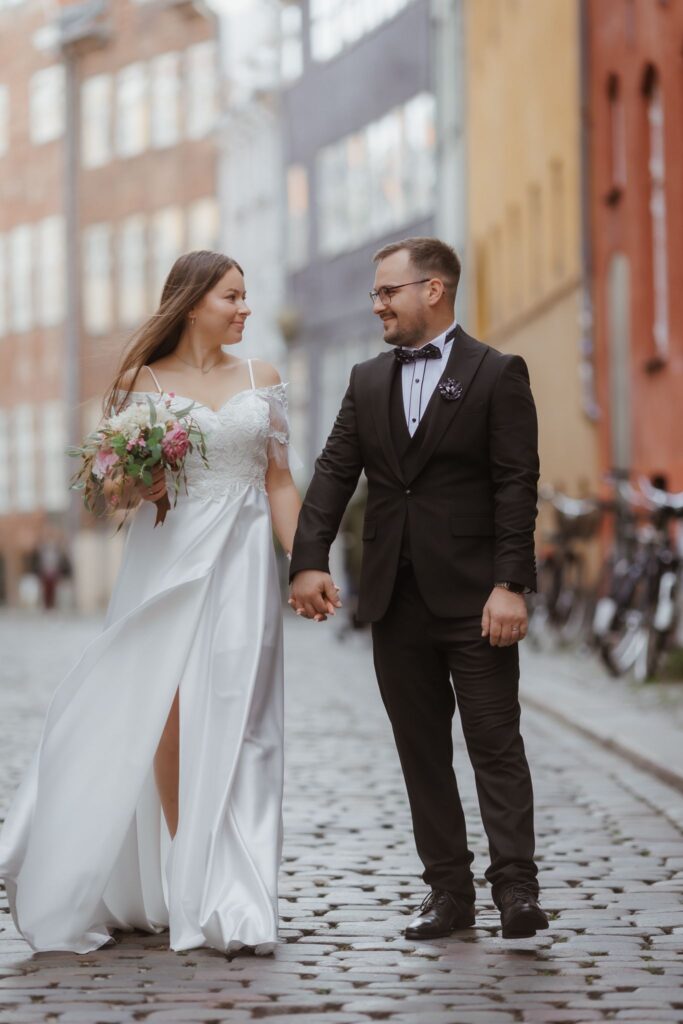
point(194, 366)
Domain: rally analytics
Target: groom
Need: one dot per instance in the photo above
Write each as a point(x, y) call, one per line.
point(445, 429)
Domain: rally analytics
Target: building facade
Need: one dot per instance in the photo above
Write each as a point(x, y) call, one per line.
point(636, 204)
point(108, 166)
point(359, 123)
point(260, 51)
point(528, 286)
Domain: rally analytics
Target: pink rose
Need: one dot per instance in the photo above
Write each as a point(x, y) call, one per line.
point(104, 460)
point(175, 444)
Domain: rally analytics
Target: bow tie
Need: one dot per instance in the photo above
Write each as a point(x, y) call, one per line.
point(410, 355)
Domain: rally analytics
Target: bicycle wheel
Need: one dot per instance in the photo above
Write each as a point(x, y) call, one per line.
point(540, 628)
point(571, 607)
point(633, 646)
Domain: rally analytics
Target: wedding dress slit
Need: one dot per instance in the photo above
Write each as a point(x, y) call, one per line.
point(196, 610)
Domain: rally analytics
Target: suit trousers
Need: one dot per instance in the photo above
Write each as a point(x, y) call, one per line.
point(416, 655)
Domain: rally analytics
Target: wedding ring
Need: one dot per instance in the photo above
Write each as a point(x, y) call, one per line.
point(515, 629)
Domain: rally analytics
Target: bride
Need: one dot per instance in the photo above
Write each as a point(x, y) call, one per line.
point(154, 799)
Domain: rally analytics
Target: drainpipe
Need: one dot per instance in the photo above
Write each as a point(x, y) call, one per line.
point(586, 318)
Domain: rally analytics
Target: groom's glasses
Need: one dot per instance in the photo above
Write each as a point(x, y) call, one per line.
point(385, 294)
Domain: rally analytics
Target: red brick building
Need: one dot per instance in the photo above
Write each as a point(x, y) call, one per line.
point(635, 69)
point(108, 167)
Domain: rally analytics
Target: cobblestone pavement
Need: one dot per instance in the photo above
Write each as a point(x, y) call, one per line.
point(610, 853)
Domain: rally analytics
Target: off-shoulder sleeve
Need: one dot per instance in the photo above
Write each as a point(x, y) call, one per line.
point(278, 433)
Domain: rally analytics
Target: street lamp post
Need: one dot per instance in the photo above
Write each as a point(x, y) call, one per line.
point(78, 29)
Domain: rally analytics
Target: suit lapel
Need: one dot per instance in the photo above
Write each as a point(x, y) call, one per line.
point(463, 363)
point(381, 409)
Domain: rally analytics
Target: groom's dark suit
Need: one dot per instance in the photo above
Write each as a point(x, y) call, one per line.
point(450, 512)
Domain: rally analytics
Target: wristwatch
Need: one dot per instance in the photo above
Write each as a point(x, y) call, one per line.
point(514, 588)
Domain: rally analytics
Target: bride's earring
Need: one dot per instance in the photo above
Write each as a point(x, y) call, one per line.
point(193, 320)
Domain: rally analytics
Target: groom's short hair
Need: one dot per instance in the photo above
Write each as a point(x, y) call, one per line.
point(428, 256)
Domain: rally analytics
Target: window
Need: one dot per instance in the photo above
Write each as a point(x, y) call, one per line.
point(297, 216)
point(51, 284)
point(619, 362)
point(24, 457)
point(53, 443)
point(497, 293)
point(419, 150)
point(515, 258)
point(334, 25)
point(165, 99)
point(291, 43)
point(132, 270)
point(201, 89)
point(657, 204)
point(535, 242)
point(97, 282)
point(132, 127)
point(203, 224)
point(167, 245)
point(616, 139)
point(96, 117)
point(557, 221)
point(21, 270)
point(483, 278)
point(47, 104)
point(4, 119)
point(378, 179)
point(3, 286)
point(4, 463)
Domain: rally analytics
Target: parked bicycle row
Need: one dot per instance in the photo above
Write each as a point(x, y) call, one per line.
point(629, 611)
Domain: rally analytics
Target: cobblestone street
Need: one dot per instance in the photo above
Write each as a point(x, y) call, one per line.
point(610, 849)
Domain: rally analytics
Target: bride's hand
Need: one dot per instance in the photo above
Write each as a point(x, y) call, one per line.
point(157, 488)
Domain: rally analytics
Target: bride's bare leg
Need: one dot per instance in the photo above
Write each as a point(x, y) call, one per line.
point(166, 766)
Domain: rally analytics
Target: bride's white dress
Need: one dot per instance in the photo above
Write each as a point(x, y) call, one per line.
point(196, 608)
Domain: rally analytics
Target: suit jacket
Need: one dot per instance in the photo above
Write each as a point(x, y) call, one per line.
point(465, 487)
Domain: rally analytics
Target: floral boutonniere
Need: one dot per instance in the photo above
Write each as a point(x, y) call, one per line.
point(450, 389)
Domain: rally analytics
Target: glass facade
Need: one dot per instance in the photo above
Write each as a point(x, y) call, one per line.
point(335, 26)
point(375, 180)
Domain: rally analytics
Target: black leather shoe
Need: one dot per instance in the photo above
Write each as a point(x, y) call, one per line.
point(520, 914)
point(440, 914)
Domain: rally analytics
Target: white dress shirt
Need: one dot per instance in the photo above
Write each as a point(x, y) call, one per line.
point(420, 379)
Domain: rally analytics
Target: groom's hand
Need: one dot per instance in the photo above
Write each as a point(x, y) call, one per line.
point(314, 595)
point(504, 620)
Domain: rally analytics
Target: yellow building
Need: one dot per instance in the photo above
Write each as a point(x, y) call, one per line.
point(523, 84)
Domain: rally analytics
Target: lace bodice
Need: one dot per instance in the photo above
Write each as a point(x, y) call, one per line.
point(241, 436)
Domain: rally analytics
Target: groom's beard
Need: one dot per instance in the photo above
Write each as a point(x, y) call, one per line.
point(408, 337)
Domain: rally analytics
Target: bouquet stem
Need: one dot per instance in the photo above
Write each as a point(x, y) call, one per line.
point(162, 506)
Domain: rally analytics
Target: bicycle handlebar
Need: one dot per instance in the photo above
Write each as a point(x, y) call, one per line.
point(573, 508)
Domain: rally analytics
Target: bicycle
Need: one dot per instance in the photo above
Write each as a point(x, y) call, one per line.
point(635, 618)
point(561, 609)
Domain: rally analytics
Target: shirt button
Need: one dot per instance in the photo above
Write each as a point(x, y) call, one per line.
point(417, 380)
point(408, 491)
point(414, 420)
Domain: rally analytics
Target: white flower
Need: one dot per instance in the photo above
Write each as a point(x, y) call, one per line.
point(135, 418)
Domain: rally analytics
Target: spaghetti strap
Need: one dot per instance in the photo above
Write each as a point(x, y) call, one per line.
point(154, 378)
point(251, 375)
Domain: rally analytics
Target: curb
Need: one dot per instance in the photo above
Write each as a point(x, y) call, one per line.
point(666, 775)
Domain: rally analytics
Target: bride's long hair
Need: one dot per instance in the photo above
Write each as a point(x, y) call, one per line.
point(190, 278)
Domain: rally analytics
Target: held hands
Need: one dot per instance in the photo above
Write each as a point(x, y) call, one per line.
point(504, 620)
point(314, 595)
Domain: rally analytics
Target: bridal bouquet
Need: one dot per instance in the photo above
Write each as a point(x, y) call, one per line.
point(130, 444)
